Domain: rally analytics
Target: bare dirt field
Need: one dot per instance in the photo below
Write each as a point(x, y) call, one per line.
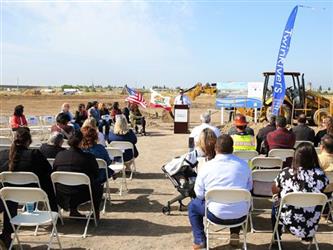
point(135, 220)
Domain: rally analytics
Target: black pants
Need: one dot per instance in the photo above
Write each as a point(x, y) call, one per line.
point(7, 229)
point(71, 200)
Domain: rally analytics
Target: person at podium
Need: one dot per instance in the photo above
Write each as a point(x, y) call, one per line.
point(182, 99)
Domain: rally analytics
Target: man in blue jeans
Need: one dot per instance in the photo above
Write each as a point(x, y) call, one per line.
point(224, 171)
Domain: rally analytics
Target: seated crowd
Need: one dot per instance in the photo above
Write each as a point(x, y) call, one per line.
point(305, 172)
point(84, 135)
point(88, 131)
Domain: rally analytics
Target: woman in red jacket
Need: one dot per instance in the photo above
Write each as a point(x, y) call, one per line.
point(18, 119)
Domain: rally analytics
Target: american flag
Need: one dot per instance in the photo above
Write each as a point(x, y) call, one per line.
point(135, 97)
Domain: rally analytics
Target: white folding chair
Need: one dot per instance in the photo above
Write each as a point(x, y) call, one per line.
point(299, 142)
point(263, 180)
point(227, 196)
point(35, 126)
point(5, 140)
point(30, 219)
point(118, 167)
point(48, 120)
point(5, 129)
point(246, 155)
point(33, 121)
point(281, 153)
point(102, 165)
point(75, 179)
point(261, 162)
point(301, 200)
point(4, 147)
point(20, 178)
point(329, 175)
point(123, 145)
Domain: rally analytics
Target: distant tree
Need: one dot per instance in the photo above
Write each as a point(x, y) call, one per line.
point(329, 89)
point(320, 89)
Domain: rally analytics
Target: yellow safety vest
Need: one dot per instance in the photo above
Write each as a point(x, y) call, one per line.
point(244, 142)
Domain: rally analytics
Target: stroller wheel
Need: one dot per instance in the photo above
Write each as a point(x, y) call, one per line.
point(166, 210)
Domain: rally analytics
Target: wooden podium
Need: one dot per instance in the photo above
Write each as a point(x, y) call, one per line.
point(182, 118)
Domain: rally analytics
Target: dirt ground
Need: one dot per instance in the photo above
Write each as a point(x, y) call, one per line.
point(135, 220)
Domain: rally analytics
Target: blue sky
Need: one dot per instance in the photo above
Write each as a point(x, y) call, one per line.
point(176, 43)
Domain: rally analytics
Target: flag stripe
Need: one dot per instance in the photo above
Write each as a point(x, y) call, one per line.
point(135, 97)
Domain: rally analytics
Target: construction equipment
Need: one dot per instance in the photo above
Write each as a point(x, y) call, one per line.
point(297, 99)
point(199, 89)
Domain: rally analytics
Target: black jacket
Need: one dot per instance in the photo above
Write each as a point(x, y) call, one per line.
point(261, 137)
point(32, 160)
point(50, 151)
point(75, 160)
point(303, 133)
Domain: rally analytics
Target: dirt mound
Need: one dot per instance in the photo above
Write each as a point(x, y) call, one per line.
point(166, 117)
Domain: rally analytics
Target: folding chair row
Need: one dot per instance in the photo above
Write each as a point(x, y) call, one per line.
point(227, 196)
point(65, 178)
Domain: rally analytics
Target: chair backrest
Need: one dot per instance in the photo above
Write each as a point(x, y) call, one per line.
point(263, 180)
point(48, 119)
point(19, 178)
point(282, 153)
point(101, 163)
point(266, 162)
point(70, 178)
point(246, 154)
point(122, 145)
point(329, 175)
point(32, 120)
point(115, 152)
point(228, 195)
point(299, 142)
point(4, 147)
point(5, 140)
point(304, 199)
point(4, 121)
point(51, 161)
point(24, 195)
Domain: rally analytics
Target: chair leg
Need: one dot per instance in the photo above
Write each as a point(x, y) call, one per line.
point(17, 239)
point(57, 236)
point(36, 231)
point(245, 234)
point(207, 236)
point(315, 241)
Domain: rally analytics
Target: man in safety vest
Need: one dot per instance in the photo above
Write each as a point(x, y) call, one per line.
point(243, 140)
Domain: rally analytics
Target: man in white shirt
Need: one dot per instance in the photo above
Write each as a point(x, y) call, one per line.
point(182, 99)
point(224, 171)
point(205, 119)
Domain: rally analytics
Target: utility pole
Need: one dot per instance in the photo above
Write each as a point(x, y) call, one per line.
point(17, 83)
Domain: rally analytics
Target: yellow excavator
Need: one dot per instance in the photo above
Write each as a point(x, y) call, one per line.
point(297, 100)
point(199, 89)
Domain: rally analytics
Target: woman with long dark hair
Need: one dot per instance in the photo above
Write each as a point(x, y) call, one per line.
point(20, 158)
point(305, 176)
point(18, 119)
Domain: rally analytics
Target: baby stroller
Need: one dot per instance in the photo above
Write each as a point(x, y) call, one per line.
point(180, 171)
